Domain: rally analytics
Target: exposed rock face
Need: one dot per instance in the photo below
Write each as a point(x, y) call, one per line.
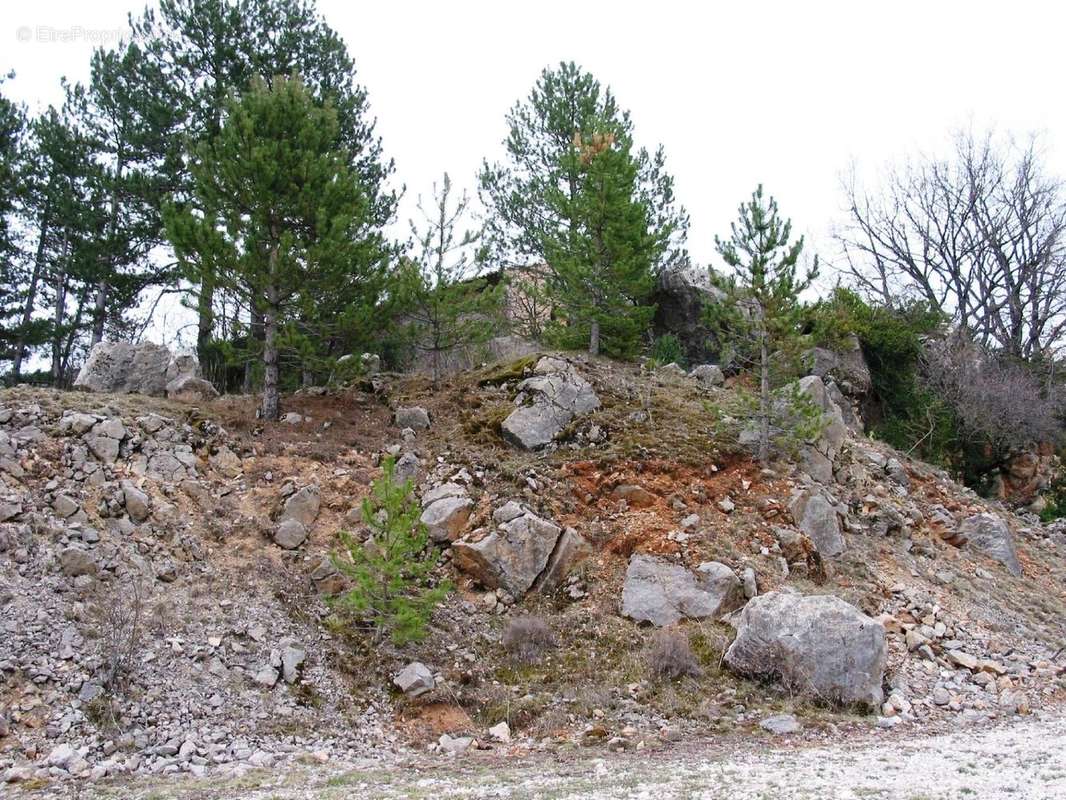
point(846, 366)
point(144, 368)
point(570, 550)
point(819, 646)
point(1026, 474)
point(680, 299)
point(511, 557)
point(662, 593)
point(302, 506)
point(818, 456)
point(547, 401)
point(990, 535)
point(816, 516)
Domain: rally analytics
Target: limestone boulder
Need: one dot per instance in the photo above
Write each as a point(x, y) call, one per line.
point(662, 593)
point(819, 646)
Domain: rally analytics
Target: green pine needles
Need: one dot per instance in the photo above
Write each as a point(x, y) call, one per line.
point(393, 590)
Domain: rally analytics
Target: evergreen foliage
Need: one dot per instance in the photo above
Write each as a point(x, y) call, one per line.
point(761, 313)
point(278, 217)
point(391, 573)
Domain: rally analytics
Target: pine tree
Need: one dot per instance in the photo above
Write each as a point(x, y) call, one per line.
point(602, 263)
point(761, 312)
point(535, 199)
point(278, 214)
point(449, 306)
point(392, 571)
point(210, 48)
point(12, 130)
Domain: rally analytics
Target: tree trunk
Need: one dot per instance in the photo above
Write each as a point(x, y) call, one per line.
point(764, 400)
point(255, 334)
point(99, 312)
point(206, 312)
point(270, 344)
point(594, 338)
point(31, 294)
point(59, 310)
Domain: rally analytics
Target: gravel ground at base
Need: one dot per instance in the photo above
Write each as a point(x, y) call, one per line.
point(1022, 759)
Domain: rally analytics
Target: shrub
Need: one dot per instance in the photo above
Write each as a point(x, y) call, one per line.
point(669, 656)
point(667, 350)
point(393, 588)
point(527, 639)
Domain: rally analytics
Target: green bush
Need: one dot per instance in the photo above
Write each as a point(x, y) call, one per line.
point(667, 350)
point(794, 420)
point(393, 590)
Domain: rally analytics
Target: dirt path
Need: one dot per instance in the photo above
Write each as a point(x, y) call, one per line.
point(1025, 759)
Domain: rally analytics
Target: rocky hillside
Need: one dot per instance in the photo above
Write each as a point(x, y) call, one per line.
point(164, 571)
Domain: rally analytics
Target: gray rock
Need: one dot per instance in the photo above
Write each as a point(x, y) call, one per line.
point(137, 502)
point(570, 550)
point(512, 557)
point(819, 646)
point(442, 491)
point(415, 417)
point(290, 534)
point(555, 394)
point(662, 593)
point(190, 389)
point(415, 679)
point(65, 506)
point(819, 455)
point(680, 299)
point(122, 367)
point(266, 675)
point(61, 756)
point(73, 561)
point(454, 745)
point(508, 511)
point(302, 506)
point(781, 724)
point(226, 463)
point(751, 587)
point(446, 519)
point(406, 469)
point(845, 365)
point(292, 659)
point(989, 534)
point(817, 517)
point(708, 375)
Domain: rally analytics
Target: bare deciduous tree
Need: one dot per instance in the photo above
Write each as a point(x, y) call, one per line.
point(979, 235)
point(994, 398)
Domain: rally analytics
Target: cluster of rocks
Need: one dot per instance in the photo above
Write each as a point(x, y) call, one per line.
point(106, 525)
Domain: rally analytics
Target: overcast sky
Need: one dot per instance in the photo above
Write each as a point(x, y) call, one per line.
point(785, 93)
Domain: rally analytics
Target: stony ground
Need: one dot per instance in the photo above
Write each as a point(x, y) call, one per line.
point(1023, 758)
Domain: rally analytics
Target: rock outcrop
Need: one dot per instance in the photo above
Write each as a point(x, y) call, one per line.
point(816, 515)
point(819, 646)
point(547, 402)
point(680, 299)
point(143, 368)
point(524, 550)
point(663, 593)
point(989, 534)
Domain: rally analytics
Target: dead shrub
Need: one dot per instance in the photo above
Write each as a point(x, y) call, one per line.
point(669, 656)
point(527, 639)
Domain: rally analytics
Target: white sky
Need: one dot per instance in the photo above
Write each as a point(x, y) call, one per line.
point(785, 93)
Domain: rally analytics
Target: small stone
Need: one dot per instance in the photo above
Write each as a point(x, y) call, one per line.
point(781, 724)
point(941, 696)
point(415, 417)
point(501, 732)
point(290, 534)
point(727, 505)
point(415, 679)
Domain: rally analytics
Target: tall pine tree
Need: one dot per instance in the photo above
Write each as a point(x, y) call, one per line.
point(522, 194)
point(278, 215)
point(209, 48)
